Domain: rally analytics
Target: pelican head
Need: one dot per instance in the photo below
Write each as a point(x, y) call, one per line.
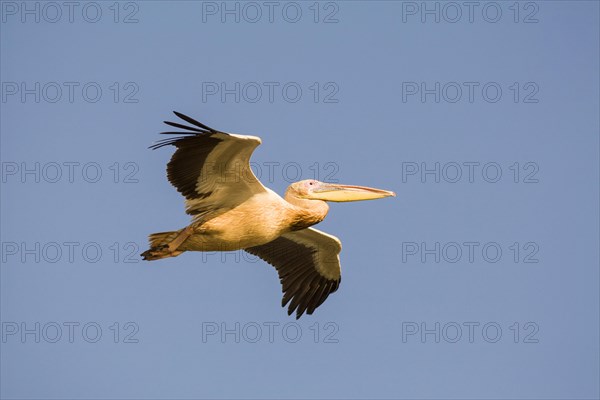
point(311, 189)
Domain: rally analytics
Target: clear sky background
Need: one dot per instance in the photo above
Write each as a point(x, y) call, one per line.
point(416, 315)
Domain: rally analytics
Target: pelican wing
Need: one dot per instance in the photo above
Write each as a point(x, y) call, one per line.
point(308, 264)
point(210, 168)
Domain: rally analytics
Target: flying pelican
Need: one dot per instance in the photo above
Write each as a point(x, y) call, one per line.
point(232, 210)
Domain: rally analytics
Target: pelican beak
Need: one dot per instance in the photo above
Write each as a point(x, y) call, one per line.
point(340, 193)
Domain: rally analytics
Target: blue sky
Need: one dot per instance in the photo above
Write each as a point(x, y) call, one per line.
point(479, 280)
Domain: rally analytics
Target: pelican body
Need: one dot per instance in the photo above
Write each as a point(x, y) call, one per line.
point(232, 210)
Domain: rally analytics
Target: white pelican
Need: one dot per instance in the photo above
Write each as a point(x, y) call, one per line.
point(232, 210)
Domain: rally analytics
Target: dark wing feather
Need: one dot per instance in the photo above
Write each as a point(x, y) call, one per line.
point(201, 131)
point(185, 167)
point(176, 125)
point(194, 122)
point(308, 266)
point(197, 170)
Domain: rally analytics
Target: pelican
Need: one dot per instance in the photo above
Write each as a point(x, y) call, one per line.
point(232, 210)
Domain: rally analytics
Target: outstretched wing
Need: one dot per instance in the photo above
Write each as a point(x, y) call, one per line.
point(308, 264)
point(211, 169)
